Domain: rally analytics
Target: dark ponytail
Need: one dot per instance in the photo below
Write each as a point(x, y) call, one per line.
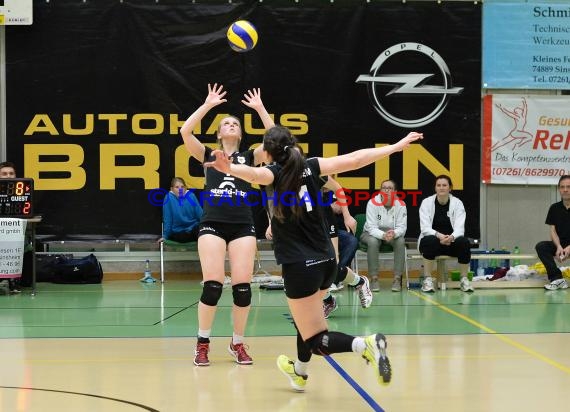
point(282, 146)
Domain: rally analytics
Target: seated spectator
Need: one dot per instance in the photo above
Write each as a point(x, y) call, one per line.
point(442, 226)
point(386, 222)
point(558, 247)
point(344, 273)
point(7, 170)
point(181, 213)
point(347, 244)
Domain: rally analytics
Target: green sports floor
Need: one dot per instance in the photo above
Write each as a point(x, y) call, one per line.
point(134, 309)
point(94, 347)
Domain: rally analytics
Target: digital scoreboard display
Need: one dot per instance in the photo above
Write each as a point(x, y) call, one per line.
point(16, 198)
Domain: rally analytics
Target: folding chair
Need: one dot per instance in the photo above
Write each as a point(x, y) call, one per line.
point(386, 250)
point(259, 271)
point(189, 246)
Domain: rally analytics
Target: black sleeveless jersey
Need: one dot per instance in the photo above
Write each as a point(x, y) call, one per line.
point(223, 195)
point(306, 238)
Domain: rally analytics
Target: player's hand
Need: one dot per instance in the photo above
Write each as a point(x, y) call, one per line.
point(222, 162)
point(409, 139)
point(215, 95)
point(253, 99)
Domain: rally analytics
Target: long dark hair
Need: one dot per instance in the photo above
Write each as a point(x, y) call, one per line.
point(282, 146)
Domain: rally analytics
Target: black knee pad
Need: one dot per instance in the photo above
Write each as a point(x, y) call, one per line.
point(319, 343)
point(242, 294)
point(211, 292)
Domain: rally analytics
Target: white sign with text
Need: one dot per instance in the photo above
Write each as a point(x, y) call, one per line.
point(12, 243)
point(526, 139)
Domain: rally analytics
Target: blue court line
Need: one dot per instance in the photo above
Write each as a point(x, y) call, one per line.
point(353, 383)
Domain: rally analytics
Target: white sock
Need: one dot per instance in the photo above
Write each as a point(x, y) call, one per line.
point(237, 339)
point(358, 345)
point(301, 367)
point(356, 280)
point(204, 333)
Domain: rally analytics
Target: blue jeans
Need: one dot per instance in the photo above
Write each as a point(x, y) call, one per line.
point(347, 246)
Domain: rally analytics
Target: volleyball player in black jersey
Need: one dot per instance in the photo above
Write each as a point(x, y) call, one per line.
point(303, 247)
point(227, 223)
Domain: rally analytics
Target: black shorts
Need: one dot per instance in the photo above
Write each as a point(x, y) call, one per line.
point(302, 279)
point(226, 231)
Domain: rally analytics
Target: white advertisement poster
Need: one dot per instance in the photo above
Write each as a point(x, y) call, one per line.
point(12, 239)
point(525, 45)
point(526, 139)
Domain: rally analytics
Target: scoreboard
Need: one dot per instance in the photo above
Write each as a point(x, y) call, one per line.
point(17, 198)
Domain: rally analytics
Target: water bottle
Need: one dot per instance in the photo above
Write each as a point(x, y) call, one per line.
point(493, 262)
point(483, 263)
point(147, 273)
point(516, 251)
point(505, 262)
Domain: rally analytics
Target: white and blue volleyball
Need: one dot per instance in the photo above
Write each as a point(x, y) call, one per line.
point(242, 36)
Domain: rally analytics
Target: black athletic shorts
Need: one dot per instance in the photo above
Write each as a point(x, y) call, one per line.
point(302, 279)
point(227, 231)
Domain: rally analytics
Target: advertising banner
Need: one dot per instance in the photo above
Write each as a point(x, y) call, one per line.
point(16, 12)
point(526, 139)
point(12, 238)
point(97, 92)
point(526, 45)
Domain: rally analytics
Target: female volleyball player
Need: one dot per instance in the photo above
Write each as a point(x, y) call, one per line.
point(227, 223)
point(302, 245)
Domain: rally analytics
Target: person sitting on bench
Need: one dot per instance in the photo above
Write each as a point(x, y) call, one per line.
point(558, 247)
point(181, 213)
point(442, 225)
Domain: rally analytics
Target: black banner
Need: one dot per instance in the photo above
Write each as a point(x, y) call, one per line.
point(97, 91)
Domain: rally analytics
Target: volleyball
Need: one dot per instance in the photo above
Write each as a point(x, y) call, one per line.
point(242, 36)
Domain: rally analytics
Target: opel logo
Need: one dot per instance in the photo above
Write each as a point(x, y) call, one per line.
point(408, 84)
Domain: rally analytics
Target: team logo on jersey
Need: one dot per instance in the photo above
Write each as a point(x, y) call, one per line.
point(241, 160)
point(390, 93)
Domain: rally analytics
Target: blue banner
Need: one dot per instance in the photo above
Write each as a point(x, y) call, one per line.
point(526, 46)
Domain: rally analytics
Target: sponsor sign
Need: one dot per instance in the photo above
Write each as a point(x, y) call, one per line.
point(526, 139)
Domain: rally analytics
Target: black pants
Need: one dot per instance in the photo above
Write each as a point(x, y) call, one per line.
point(430, 248)
point(545, 251)
point(185, 237)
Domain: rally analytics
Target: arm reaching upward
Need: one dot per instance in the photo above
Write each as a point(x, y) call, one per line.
point(252, 99)
point(364, 157)
point(193, 145)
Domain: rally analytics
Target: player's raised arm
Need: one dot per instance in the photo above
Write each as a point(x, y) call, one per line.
point(360, 158)
point(193, 145)
point(253, 100)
